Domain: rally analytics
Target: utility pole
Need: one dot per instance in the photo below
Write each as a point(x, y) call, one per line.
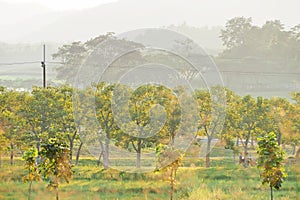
point(44, 66)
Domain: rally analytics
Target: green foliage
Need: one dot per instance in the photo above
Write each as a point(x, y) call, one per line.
point(242, 39)
point(30, 157)
point(55, 162)
point(168, 161)
point(271, 161)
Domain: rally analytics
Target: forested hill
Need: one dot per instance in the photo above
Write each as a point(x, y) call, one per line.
point(258, 60)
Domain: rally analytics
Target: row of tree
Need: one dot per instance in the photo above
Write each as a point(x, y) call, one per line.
point(145, 118)
point(271, 41)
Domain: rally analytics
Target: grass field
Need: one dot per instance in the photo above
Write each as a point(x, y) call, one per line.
point(224, 180)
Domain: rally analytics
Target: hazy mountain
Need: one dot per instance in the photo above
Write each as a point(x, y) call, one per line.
point(125, 15)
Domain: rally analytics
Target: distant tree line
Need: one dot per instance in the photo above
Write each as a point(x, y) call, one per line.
point(271, 41)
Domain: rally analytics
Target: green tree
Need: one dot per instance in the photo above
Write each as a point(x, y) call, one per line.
point(243, 121)
point(211, 112)
point(103, 100)
point(11, 123)
point(55, 156)
point(140, 131)
point(48, 113)
point(30, 157)
point(168, 161)
point(228, 132)
point(236, 32)
point(295, 121)
point(270, 161)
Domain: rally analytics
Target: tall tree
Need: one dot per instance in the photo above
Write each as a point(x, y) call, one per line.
point(271, 162)
point(11, 123)
point(211, 112)
point(236, 32)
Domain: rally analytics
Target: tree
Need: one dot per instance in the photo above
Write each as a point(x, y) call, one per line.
point(66, 122)
point(244, 117)
point(139, 117)
point(48, 111)
point(71, 56)
point(103, 100)
point(11, 123)
point(211, 112)
point(295, 120)
point(55, 156)
point(29, 157)
point(169, 160)
point(236, 32)
point(228, 132)
point(3, 143)
point(270, 161)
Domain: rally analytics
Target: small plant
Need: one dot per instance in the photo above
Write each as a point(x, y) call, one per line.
point(30, 164)
point(169, 160)
point(270, 161)
point(55, 163)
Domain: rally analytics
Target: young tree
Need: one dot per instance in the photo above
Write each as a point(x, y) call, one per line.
point(30, 164)
point(55, 156)
point(169, 160)
point(270, 161)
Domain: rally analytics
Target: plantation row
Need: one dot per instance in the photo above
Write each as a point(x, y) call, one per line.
point(30, 119)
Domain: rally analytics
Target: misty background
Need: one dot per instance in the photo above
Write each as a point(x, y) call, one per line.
point(27, 25)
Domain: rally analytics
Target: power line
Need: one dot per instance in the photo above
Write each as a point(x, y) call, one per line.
point(19, 63)
point(262, 73)
point(221, 71)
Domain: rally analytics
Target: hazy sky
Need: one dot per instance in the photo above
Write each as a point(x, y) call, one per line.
point(60, 5)
point(69, 20)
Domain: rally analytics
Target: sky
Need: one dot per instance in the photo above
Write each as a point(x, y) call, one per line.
point(69, 20)
point(60, 5)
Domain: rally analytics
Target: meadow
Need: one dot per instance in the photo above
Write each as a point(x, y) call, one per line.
point(224, 180)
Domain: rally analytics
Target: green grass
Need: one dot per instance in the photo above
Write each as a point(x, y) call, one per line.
point(224, 180)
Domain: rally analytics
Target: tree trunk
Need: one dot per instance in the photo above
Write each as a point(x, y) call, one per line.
point(38, 147)
point(271, 191)
point(237, 142)
point(246, 155)
point(29, 190)
point(71, 139)
point(11, 154)
point(207, 157)
point(106, 154)
point(99, 159)
point(279, 139)
point(56, 188)
point(78, 153)
point(172, 142)
point(294, 150)
point(298, 153)
point(172, 185)
point(138, 153)
point(252, 141)
point(71, 151)
point(57, 198)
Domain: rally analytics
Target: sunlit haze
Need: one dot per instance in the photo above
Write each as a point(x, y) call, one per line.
point(60, 5)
